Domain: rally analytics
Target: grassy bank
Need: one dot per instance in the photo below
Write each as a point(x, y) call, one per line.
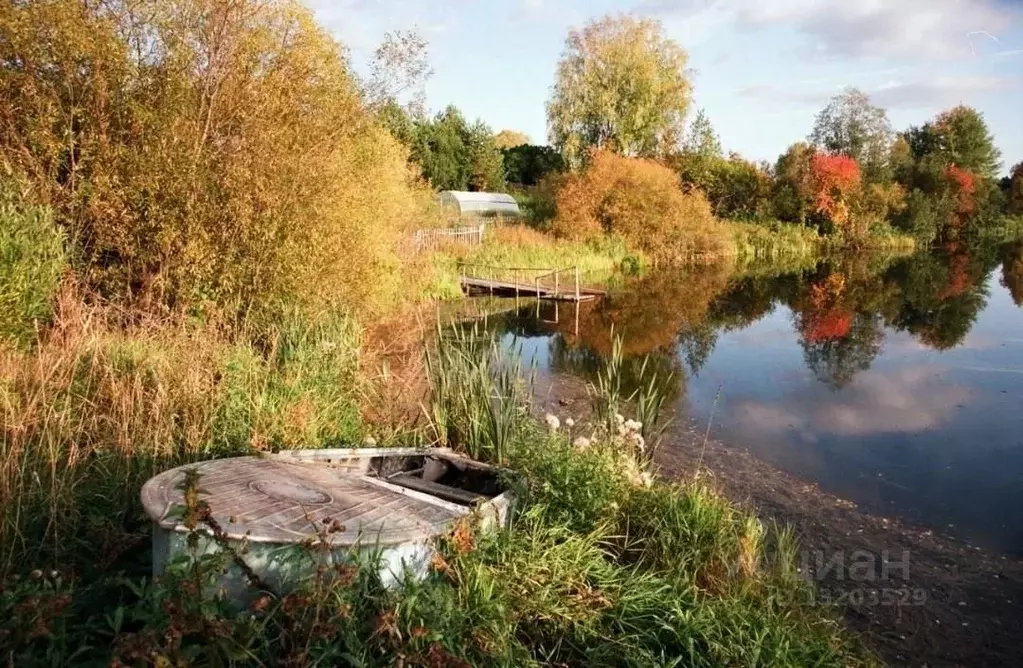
point(601, 566)
point(95, 408)
point(523, 247)
point(744, 244)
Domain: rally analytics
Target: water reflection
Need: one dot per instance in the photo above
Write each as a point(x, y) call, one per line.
point(894, 383)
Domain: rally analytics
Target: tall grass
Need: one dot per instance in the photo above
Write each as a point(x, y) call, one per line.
point(95, 409)
point(518, 246)
point(478, 396)
point(597, 568)
point(32, 260)
point(772, 240)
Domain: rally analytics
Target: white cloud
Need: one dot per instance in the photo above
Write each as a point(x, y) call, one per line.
point(939, 29)
point(904, 401)
point(908, 93)
point(939, 91)
point(361, 24)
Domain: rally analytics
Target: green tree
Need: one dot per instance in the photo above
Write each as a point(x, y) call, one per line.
point(397, 120)
point(452, 153)
point(1012, 271)
point(440, 149)
point(957, 137)
point(486, 164)
point(527, 164)
point(701, 139)
point(790, 174)
point(851, 126)
point(621, 85)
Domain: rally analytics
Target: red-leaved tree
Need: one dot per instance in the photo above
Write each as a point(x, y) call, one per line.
point(832, 181)
point(962, 188)
point(825, 317)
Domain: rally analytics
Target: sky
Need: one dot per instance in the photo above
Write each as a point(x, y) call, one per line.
point(761, 69)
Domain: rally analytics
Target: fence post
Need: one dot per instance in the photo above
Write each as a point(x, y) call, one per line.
point(577, 284)
point(557, 284)
point(536, 281)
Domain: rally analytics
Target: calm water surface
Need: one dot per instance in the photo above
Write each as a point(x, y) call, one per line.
point(898, 385)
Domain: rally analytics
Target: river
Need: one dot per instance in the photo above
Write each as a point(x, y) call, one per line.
point(896, 384)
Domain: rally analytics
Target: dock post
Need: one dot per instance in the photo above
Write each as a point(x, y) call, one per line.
point(577, 284)
point(536, 283)
point(515, 279)
point(557, 283)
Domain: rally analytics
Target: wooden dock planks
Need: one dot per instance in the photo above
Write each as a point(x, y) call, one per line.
point(507, 288)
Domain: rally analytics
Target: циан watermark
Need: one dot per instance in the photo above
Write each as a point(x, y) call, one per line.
point(859, 578)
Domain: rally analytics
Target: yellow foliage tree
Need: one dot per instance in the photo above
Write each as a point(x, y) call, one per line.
point(621, 85)
point(510, 139)
point(639, 200)
point(203, 151)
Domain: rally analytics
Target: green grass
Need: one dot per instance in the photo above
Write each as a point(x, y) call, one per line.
point(600, 567)
point(89, 415)
point(773, 240)
point(32, 260)
point(516, 246)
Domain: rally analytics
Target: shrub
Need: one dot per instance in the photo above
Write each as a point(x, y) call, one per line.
point(32, 259)
point(639, 200)
point(235, 166)
point(736, 188)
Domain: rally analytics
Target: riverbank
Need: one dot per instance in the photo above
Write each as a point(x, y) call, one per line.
point(952, 604)
point(748, 243)
point(602, 566)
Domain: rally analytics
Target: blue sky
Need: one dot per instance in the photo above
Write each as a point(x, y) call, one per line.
point(762, 68)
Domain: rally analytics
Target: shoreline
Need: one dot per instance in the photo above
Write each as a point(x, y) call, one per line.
point(958, 605)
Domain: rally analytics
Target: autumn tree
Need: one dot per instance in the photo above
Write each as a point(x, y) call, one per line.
point(1014, 190)
point(622, 86)
point(957, 137)
point(949, 177)
point(203, 152)
point(832, 182)
point(510, 139)
point(791, 173)
point(399, 71)
point(853, 127)
point(639, 200)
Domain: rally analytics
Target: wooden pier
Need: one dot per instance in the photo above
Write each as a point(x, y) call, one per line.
point(545, 285)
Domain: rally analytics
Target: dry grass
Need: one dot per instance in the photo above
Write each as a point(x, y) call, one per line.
point(96, 407)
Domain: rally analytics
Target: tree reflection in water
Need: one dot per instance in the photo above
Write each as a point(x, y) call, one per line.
point(841, 307)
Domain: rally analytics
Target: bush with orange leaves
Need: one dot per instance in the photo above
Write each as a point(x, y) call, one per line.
point(640, 201)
